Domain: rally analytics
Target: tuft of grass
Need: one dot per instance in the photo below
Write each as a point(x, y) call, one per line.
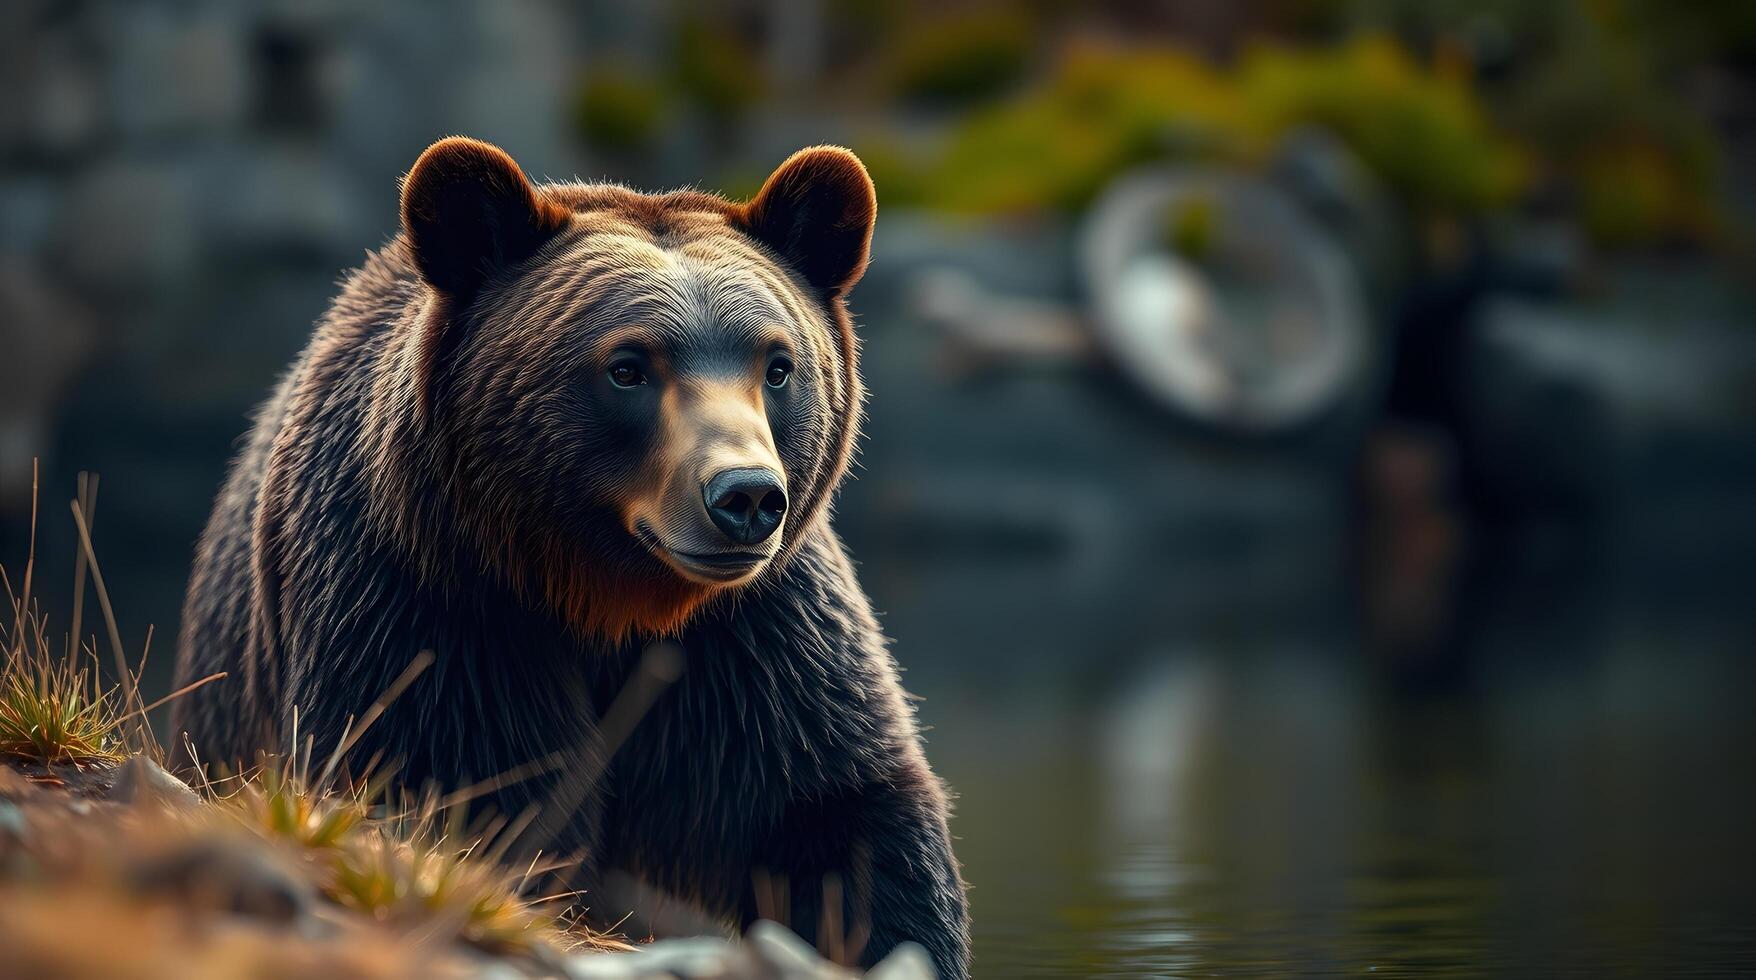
point(57, 712)
point(428, 884)
point(280, 806)
point(411, 867)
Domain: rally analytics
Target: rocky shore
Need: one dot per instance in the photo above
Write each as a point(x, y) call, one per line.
point(126, 871)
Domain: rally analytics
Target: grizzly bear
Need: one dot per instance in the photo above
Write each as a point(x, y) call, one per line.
point(542, 430)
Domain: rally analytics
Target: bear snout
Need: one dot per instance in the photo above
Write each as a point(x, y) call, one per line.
point(747, 504)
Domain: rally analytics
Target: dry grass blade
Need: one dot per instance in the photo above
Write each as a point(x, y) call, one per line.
point(130, 697)
point(88, 502)
point(660, 666)
point(141, 711)
point(422, 661)
point(21, 602)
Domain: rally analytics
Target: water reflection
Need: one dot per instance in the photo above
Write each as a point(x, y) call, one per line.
point(1270, 803)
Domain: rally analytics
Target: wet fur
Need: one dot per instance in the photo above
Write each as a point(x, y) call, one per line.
point(367, 519)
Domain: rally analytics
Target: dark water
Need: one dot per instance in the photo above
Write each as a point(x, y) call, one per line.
point(1264, 805)
point(1558, 781)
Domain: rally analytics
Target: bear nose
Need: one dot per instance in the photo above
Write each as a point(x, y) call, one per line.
point(745, 504)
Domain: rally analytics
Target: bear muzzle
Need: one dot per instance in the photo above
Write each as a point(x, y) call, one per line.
point(747, 504)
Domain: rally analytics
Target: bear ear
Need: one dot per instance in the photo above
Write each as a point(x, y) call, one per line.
point(817, 210)
point(469, 211)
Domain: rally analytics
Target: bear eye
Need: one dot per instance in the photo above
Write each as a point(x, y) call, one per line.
point(626, 374)
point(779, 370)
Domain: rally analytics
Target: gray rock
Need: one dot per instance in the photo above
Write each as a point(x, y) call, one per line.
point(787, 956)
point(907, 961)
point(12, 822)
point(768, 952)
point(140, 780)
point(700, 957)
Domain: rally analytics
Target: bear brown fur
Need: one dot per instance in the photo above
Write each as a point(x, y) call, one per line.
point(502, 446)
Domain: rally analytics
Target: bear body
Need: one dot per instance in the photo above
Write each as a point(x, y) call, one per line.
point(449, 467)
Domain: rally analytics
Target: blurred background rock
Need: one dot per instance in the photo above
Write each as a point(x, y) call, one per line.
point(1431, 658)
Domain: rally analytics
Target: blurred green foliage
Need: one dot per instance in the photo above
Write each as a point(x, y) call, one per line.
point(715, 71)
point(618, 109)
point(962, 56)
point(1634, 192)
point(1101, 112)
point(1643, 166)
point(1421, 129)
point(709, 69)
point(896, 172)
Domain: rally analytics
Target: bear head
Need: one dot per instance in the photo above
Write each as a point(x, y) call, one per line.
point(626, 403)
